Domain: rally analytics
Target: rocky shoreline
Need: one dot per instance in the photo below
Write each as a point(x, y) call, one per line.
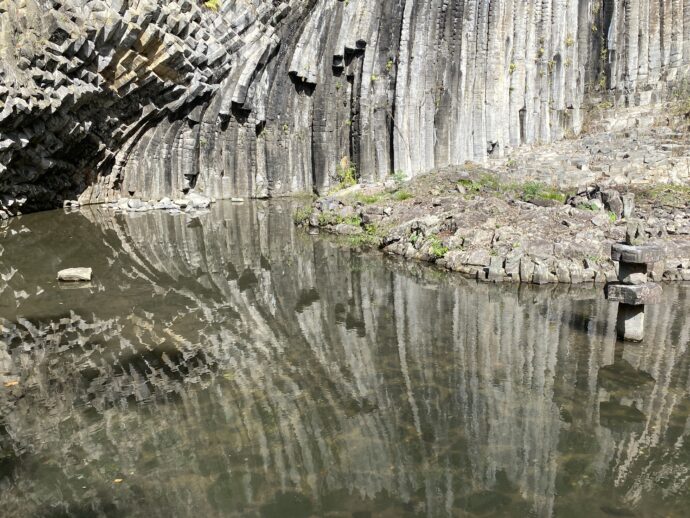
point(466, 220)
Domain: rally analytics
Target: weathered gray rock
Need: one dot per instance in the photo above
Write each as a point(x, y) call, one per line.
point(632, 273)
point(628, 200)
point(636, 254)
point(148, 99)
point(634, 295)
point(75, 274)
point(635, 232)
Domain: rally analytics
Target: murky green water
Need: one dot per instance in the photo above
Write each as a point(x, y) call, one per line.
point(229, 365)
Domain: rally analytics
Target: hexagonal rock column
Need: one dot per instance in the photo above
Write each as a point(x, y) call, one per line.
point(633, 292)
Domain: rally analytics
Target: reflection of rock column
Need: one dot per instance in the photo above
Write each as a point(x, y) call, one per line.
point(633, 292)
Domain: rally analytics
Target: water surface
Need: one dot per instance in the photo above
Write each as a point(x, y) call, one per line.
point(230, 365)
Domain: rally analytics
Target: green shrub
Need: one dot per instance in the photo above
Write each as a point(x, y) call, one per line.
point(587, 206)
point(346, 173)
point(399, 177)
point(436, 248)
point(402, 195)
point(537, 191)
point(355, 221)
point(301, 215)
point(368, 199)
point(329, 218)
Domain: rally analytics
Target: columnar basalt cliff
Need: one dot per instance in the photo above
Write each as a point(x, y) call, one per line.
point(263, 98)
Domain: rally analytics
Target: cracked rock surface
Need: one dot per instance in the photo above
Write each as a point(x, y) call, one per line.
point(152, 99)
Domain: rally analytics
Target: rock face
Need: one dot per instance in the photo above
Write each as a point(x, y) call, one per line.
point(261, 98)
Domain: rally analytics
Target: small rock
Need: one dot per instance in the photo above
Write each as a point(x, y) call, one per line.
point(75, 274)
point(628, 204)
point(479, 258)
point(198, 201)
point(612, 201)
point(601, 220)
point(347, 230)
point(635, 232)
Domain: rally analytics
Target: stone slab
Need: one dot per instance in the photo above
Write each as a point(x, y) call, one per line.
point(639, 294)
point(75, 274)
point(636, 254)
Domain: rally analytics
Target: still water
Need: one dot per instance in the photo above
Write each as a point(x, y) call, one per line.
point(230, 365)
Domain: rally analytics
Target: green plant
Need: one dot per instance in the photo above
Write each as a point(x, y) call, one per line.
point(670, 195)
point(512, 68)
point(213, 5)
point(329, 218)
point(374, 78)
point(368, 199)
point(346, 173)
point(613, 217)
point(338, 86)
point(301, 215)
point(511, 163)
point(286, 128)
point(355, 221)
point(402, 195)
point(569, 41)
point(530, 190)
point(371, 229)
point(389, 65)
point(587, 206)
point(436, 248)
point(399, 177)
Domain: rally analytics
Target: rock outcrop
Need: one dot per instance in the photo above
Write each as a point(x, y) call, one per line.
point(262, 98)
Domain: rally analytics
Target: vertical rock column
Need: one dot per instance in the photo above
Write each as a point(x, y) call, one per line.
point(633, 292)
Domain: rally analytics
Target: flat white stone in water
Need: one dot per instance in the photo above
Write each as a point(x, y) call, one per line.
point(75, 274)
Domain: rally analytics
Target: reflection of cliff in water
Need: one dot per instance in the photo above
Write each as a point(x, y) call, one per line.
point(228, 363)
